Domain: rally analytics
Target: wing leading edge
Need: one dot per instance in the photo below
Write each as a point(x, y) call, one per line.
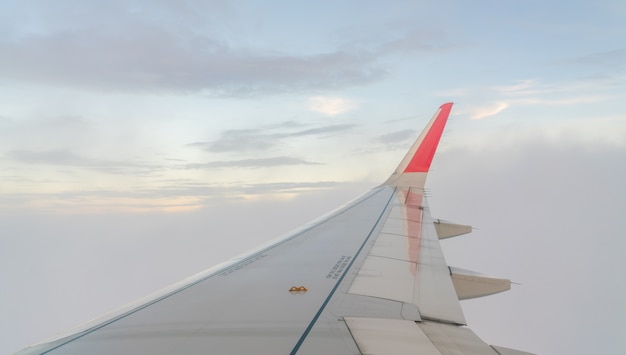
point(367, 278)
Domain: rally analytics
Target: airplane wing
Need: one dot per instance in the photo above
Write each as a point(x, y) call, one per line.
point(367, 278)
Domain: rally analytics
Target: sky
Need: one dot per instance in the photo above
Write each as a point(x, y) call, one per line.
point(144, 141)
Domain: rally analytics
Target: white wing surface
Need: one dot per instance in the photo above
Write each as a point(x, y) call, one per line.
point(368, 278)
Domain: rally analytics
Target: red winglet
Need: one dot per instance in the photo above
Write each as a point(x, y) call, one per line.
point(420, 163)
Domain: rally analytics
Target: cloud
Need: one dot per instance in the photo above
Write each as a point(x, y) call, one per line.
point(397, 136)
point(68, 158)
point(521, 86)
point(239, 140)
point(397, 140)
point(528, 191)
point(207, 191)
point(252, 163)
point(167, 196)
point(318, 131)
point(153, 59)
point(487, 101)
point(586, 90)
point(609, 60)
point(488, 110)
point(265, 138)
point(330, 106)
point(288, 187)
point(53, 157)
point(183, 49)
point(564, 101)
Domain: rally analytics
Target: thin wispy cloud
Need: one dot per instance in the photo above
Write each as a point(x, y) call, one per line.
point(168, 196)
point(239, 140)
point(288, 187)
point(52, 157)
point(318, 131)
point(396, 140)
point(70, 159)
point(252, 163)
point(609, 60)
point(570, 100)
point(265, 138)
point(183, 188)
point(522, 86)
point(587, 90)
point(490, 101)
point(397, 136)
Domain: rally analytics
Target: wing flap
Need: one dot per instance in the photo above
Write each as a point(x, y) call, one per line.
point(389, 336)
point(406, 263)
point(452, 340)
point(398, 336)
point(385, 278)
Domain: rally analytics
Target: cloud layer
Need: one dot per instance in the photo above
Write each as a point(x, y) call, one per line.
point(138, 53)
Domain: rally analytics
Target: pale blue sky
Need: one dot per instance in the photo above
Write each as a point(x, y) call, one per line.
point(123, 110)
point(121, 91)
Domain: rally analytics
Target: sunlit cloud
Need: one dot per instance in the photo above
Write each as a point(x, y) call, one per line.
point(330, 106)
point(166, 196)
point(535, 92)
point(489, 110)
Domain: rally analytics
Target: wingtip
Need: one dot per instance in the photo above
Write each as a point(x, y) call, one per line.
point(418, 159)
point(421, 160)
